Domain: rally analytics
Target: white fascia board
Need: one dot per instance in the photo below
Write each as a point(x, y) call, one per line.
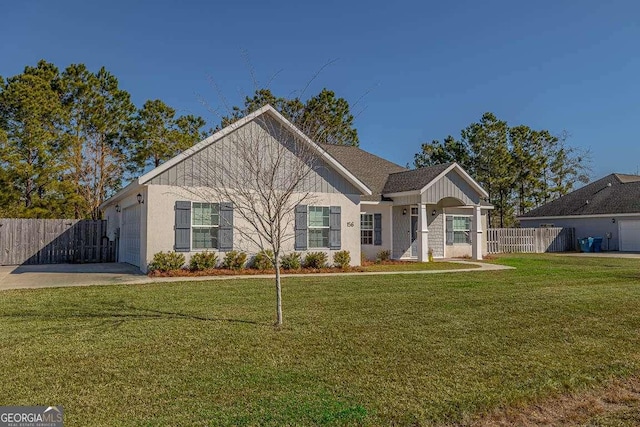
point(611, 215)
point(403, 193)
point(131, 187)
point(243, 121)
point(472, 182)
point(377, 202)
point(473, 206)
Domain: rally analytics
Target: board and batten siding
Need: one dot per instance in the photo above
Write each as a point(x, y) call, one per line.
point(206, 168)
point(451, 185)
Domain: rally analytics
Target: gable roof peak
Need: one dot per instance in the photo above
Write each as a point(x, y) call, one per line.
point(626, 178)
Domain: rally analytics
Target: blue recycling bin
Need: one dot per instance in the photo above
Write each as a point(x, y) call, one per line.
point(597, 244)
point(585, 244)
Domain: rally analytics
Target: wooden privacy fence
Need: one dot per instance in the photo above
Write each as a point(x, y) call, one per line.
point(54, 241)
point(530, 240)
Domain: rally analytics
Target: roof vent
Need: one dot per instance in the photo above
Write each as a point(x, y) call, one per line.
point(587, 202)
point(608, 184)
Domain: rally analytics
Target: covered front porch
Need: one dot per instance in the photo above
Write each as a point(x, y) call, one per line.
point(447, 229)
point(445, 216)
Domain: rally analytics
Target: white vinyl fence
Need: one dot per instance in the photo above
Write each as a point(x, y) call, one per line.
point(530, 240)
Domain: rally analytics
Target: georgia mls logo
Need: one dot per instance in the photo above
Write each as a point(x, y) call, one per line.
point(31, 416)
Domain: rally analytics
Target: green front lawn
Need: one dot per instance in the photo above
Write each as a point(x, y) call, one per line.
point(415, 266)
point(370, 350)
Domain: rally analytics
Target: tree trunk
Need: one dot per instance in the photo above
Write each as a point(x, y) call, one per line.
point(278, 293)
point(522, 201)
point(501, 210)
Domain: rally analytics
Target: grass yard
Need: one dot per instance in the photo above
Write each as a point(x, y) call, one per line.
point(415, 266)
point(372, 350)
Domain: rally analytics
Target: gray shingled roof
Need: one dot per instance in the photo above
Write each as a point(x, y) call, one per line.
point(414, 179)
point(613, 194)
point(372, 170)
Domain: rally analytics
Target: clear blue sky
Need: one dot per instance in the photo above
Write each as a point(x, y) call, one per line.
point(416, 71)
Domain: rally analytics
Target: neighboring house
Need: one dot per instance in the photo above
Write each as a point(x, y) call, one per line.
point(607, 208)
point(361, 203)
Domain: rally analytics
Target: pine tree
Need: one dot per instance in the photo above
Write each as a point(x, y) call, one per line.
point(158, 135)
point(33, 150)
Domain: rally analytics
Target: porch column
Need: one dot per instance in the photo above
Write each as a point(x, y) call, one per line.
point(476, 235)
point(423, 234)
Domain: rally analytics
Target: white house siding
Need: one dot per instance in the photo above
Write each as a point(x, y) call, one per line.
point(435, 224)
point(587, 227)
point(370, 252)
point(451, 185)
point(407, 200)
point(115, 222)
point(207, 167)
point(161, 201)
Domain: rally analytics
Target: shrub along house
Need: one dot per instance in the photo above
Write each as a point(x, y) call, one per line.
point(360, 203)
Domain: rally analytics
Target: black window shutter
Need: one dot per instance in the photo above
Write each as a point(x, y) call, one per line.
point(449, 230)
point(225, 234)
point(334, 227)
point(377, 229)
point(301, 228)
point(182, 226)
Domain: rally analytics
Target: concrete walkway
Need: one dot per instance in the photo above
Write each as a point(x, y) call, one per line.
point(63, 275)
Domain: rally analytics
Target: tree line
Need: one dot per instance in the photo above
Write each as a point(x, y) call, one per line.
point(324, 118)
point(68, 138)
point(520, 167)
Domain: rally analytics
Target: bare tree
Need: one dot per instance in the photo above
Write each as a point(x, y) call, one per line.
point(268, 168)
point(265, 173)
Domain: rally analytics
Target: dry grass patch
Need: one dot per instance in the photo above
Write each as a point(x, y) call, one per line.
point(616, 404)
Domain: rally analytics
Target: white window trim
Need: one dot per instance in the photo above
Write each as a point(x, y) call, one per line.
point(323, 227)
point(194, 249)
point(454, 230)
point(372, 229)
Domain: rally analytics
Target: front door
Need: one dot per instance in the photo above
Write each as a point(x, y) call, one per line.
point(414, 232)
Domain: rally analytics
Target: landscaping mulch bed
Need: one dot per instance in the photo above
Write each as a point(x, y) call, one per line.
point(248, 272)
point(367, 266)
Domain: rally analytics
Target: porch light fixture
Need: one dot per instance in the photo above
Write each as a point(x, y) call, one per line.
point(404, 211)
point(434, 213)
point(613, 220)
point(140, 199)
point(118, 208)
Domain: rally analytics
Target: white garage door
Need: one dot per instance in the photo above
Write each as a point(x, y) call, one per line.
point(630, 235)
point(130, 235)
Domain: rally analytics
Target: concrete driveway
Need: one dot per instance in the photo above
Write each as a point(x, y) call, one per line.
point(612, 254)
point(55, 275)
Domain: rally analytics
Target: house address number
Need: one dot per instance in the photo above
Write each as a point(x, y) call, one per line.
point(350, 224)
